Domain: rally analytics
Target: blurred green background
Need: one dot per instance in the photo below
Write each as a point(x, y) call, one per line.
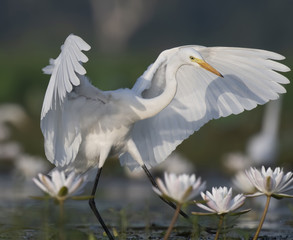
point(126, 36)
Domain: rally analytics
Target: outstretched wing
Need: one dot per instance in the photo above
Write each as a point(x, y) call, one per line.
point(250, 78)
point(63, 72)
point(60, 117)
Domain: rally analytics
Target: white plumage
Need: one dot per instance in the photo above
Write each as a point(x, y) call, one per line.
point(180, 92)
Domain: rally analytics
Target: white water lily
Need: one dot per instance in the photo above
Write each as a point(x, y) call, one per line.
point(60, 186)
point(220, 201)
point(179, 188)
point(271, 183)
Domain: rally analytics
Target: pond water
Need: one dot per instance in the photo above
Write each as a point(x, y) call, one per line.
point(130, 208)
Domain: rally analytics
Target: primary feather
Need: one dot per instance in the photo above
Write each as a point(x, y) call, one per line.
point(64, 70)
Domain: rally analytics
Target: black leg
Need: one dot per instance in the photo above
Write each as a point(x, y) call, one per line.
point(94, 208)
point(151, 178)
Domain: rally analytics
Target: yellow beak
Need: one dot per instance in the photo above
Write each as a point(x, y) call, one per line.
point(208, 67)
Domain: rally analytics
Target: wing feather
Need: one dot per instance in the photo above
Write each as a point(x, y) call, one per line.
point(60, 118)
point(63, 72)
point(250, 78)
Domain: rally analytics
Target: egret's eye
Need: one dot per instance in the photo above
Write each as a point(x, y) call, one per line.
point(192, 58)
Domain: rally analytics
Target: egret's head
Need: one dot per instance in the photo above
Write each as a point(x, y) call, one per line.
point(193, 57)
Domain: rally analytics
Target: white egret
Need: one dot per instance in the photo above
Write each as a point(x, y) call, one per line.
point(181, 91)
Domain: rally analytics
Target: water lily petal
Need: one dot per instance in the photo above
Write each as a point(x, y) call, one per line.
point(206, 208)
point(162, 189)
point(49, 185)
point(57, 179)
point(40, 185)
point(76, 186)
point(70, 178)
point(256, 194)
point(180, 188)
point(237, 202)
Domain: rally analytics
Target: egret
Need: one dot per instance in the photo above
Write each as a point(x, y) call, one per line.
point(262, 149)
point(181, 91)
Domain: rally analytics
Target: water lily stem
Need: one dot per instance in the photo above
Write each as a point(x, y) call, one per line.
point(262, 218)
point(61, 220)
point(175, 216)
point(219, 226)
point(61, 212)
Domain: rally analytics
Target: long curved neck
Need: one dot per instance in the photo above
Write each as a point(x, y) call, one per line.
point(156, 104)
